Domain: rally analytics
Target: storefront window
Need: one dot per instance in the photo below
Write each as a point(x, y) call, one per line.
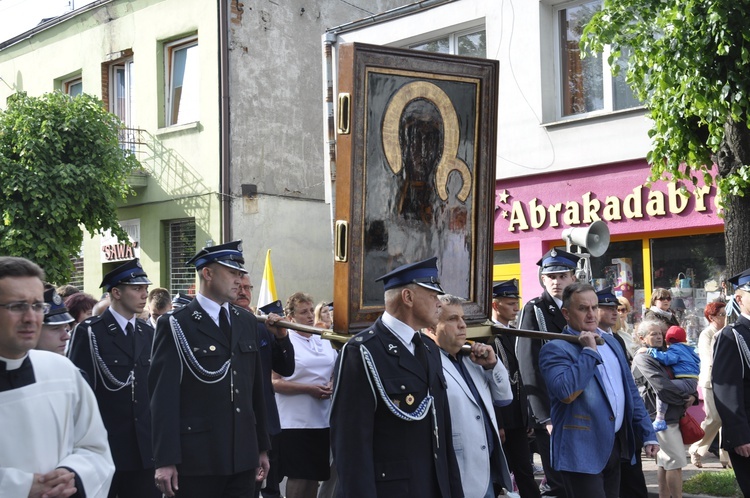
point(691, 268)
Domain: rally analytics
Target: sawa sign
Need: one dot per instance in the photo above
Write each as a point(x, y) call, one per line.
point(640, 203)
point(114, 250)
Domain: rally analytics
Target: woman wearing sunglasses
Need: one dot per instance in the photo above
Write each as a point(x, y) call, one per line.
point(661, 300)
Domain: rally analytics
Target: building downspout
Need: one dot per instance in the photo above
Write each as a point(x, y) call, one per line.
point(225, 196)
point(329, 39)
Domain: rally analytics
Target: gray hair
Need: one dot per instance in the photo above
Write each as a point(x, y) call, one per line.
point(449, 300)
point(647, 324)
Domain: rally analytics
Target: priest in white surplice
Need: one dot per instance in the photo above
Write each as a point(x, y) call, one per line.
point(53, 441)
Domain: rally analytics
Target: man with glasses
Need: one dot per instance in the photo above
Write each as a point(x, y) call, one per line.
point(66, 453)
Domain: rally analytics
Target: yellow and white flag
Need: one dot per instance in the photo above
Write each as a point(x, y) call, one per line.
point(267, 293)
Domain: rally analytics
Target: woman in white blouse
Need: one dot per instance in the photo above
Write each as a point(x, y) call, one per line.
point(304, 400)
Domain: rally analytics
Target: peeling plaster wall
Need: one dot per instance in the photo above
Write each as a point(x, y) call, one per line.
point(277, 130)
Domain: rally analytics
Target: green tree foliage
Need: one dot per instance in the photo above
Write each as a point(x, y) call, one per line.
point(61, 168)
point(687, 61)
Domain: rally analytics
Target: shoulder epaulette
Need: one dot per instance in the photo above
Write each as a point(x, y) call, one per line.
point(91, 320)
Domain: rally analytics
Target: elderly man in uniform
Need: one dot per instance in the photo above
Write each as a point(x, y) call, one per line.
point(513, 419)
point(477, 383)
point(390, 422)
point(53, 441)
point(114, 351)
point(597, 413)
point(209, 416)
point(557, 270)
point(731, 382)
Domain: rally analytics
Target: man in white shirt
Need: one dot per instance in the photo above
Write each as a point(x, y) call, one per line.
point(53, 441)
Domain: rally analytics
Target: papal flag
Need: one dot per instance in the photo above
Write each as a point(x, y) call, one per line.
point(267, 293)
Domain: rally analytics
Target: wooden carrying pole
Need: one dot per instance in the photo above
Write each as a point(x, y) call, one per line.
point(343, 338)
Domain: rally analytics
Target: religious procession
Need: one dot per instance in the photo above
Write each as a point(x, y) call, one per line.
point(507, 265)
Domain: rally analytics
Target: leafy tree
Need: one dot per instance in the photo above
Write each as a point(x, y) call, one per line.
point(687, 61)
point(61, 168)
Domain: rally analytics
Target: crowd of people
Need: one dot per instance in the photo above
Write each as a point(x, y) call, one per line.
point(198, 397)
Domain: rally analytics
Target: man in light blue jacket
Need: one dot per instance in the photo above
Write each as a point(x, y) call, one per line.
point(476, 383)
point(595, 407)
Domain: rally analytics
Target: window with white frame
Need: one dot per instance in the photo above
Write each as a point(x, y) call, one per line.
point(586, 85)
point(471, 42)
point(182, 81)
point(73, 86)
point(122, 91)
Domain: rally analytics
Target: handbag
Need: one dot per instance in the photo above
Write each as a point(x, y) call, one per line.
point(690, 429)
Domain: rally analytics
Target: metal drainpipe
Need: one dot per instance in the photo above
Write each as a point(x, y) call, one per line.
point(224, 145)
point(328, 41)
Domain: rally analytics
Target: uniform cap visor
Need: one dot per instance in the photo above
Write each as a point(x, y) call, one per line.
point(433, 286)
point(58, 318)
point(234, 265)
point(556, 269)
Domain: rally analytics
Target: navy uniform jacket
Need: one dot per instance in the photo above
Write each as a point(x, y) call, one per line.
point(527, 350)
point(731, 387)
point(207, 429)
point(276, 355)
point(378, 454)
point(125, 412)
point(516, 414)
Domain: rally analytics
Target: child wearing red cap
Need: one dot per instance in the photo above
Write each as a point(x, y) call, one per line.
point(685, 365)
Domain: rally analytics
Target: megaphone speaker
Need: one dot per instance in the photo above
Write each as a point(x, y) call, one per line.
point(595, 237)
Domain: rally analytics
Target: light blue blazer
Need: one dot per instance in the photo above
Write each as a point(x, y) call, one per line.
point(583, 422)
point(469, 436)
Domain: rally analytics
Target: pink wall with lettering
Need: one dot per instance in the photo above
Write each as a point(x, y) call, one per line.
point(534, 211)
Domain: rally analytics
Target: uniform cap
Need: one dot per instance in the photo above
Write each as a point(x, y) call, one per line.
point(507, 288)
point(229, 255)
point(274, 307)
point(179, 300)
point(558, 261)
point(423, 273)
point(606, 297)
point(130, 273)
point(57, 313)
point(742, 280)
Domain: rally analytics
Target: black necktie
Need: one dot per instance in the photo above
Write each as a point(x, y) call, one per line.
point(224, 323)
point(130, 336)
point(420, 351)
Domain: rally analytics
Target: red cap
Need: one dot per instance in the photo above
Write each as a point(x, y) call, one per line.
point(675, 334)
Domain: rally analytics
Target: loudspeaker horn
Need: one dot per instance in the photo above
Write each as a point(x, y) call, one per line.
point(595, 237)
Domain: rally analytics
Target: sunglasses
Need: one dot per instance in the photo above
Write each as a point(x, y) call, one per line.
point(621, 310)
point(664, 298)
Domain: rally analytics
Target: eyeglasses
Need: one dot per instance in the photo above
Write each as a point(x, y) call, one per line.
point(668, 298)
point(22, 307)
point(721, 314)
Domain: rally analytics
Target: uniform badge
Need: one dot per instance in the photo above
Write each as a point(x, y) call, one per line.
point(392, 348)
point(197, 315)
point(551, 309)
point(409, 399)
point(57, 299)
point(553, 253)
point(396, 402)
